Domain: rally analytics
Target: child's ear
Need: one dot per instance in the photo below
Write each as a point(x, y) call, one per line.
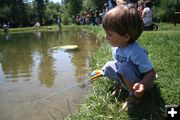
point(127, 37)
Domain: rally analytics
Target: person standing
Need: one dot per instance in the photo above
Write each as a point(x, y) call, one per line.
point(59, 22)
point(5, 27)
point(147, 16)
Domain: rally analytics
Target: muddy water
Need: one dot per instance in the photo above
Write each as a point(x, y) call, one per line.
point(30, 69)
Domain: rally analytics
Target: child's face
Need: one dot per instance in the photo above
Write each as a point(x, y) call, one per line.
point(117, 40)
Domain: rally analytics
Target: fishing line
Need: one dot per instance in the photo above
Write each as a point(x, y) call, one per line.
point(95, 74)
point(59, 91)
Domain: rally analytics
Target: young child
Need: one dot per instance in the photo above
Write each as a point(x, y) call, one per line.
point(131, 67)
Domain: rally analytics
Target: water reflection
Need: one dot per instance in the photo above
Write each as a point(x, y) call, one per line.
point(38, 34)
point(46, 73)
point(16, 58)
point(19, 55)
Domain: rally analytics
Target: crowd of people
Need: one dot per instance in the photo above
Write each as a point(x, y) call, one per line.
point(95, 17)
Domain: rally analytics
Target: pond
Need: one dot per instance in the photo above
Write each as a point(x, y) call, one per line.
point(31, 69)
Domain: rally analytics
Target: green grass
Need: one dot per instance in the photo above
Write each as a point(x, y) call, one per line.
point(30, 29)
point(163, 47)
point(88, 28)
point(168, 27)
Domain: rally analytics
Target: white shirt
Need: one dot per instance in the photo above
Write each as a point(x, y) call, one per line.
point(147, 16)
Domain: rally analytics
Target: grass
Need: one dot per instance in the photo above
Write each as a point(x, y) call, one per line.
point(30, 29)
point(163, 47)
point(88, 28)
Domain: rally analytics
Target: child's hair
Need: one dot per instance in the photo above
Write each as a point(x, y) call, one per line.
point(124, 19)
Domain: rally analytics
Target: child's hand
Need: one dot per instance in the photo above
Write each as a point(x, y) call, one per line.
point(138, 89)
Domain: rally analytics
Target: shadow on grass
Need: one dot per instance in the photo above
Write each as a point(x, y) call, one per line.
point(152, 107)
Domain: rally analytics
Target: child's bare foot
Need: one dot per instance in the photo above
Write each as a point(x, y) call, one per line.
point(116, 90)
point(131, 102)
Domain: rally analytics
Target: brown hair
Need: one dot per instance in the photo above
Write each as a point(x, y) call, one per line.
point(148, 4)
point(124, 19)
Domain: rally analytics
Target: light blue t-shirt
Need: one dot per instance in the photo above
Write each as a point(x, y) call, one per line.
point(133, 53)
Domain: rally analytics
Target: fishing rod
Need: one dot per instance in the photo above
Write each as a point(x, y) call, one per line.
point(95, 74)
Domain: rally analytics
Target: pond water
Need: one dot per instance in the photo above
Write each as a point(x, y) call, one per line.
point(30, 69)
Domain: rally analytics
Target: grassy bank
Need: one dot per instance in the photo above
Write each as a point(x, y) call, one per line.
point(29, 29)
point(163, 47)
point(52, 28)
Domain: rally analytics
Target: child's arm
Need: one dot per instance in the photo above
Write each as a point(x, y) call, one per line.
point(145, 84)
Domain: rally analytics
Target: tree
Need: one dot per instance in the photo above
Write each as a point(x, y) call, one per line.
point(88, 4)
point(52, 11)
point(164, 9)
point(73, 7)
point(13, 11)
point(93, 4)
point(40, 7)
point(19, 12)
point(4, 13)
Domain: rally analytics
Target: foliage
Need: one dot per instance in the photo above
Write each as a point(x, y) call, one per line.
point(165, 9)
point(93, 5)
point(88, 4)
point(4, 13)
point(13, 10)
point(66, 18)
point(25, 13)
point(73, 7)
point(40, 8)
point(52, 11)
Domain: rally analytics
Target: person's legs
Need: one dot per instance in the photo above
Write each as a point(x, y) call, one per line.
point(126, 75)
point(148, 28)
point(110, 70)
point(130, 75)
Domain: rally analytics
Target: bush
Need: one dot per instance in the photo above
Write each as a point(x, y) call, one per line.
point(66, 19)
point(164, 10)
